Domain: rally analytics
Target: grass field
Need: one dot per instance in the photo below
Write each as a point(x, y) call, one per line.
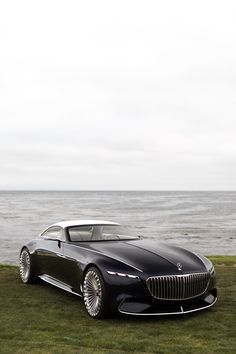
point(43, 319)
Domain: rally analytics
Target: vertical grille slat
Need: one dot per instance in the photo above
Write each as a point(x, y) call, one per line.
point(178, 287)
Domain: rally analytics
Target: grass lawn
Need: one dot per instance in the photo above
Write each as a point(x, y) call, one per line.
point(43, 319)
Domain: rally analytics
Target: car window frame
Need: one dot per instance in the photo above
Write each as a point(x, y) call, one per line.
point(67, 235)
point(62, 237)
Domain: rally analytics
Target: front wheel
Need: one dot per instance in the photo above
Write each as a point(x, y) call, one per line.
point(26, 267)
point(94, 293)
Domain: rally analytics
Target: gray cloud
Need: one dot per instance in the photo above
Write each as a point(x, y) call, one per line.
point(118, 95)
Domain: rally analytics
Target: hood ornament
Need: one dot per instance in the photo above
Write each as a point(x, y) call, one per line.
point(179, 266)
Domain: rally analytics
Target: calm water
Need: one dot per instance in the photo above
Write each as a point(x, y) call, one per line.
point(201, 221)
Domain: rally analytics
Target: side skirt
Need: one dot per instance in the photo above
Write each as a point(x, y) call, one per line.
point(58, 284)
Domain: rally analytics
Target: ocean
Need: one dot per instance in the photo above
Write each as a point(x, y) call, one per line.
point(203, 222)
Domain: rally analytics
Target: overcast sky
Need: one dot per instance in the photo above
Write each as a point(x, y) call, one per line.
point(102, 95)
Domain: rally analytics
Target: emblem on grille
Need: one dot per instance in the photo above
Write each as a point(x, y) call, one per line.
point(179, 266)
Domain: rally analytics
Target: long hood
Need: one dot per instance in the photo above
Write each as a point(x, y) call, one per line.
point(150, 257)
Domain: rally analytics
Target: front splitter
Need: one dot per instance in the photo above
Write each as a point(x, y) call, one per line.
point(143, 309)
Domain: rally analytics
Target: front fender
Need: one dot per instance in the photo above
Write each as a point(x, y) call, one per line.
point(119, 285)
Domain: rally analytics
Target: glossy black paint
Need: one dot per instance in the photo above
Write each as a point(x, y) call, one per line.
point(67, 262)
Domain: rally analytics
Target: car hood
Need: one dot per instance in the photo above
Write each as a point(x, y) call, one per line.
point(149, 256)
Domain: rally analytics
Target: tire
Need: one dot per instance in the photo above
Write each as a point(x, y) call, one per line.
point(95, 294)
point(25, 264)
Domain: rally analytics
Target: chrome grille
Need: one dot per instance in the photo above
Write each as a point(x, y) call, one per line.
point(178, 287)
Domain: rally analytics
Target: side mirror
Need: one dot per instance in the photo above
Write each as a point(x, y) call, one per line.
point(59, 243)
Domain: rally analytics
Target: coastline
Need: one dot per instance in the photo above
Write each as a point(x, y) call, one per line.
point(203, 222)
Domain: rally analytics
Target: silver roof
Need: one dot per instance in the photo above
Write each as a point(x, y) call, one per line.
point(83, 222)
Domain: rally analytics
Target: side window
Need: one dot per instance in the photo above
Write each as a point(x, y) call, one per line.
point(53, 233)
point(81, 233)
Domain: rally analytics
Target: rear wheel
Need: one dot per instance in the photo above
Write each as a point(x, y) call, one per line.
point(26, 267)
point(94, 292)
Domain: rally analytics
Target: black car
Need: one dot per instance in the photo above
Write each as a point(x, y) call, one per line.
point(114, 270)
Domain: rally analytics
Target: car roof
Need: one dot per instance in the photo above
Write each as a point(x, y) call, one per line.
point(69, 223)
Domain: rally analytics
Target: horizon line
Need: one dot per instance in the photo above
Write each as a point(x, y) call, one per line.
point(117, 190)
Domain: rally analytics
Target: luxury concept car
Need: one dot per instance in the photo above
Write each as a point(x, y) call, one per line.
point(114, 270)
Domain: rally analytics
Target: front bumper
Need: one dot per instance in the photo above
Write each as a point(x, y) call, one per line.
point(141, 307)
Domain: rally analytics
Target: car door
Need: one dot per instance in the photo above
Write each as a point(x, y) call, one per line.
point(51, 252)
point(72, 266)
point(74, 257)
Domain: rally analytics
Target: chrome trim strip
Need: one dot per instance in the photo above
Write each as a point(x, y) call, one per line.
point(61, 255)
point(176, 275)
point(57, 283)
point(168, 313)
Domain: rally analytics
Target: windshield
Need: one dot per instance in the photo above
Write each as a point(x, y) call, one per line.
point(100, 233)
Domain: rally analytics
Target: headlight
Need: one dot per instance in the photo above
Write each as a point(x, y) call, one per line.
point(209, 266)
point(212, 271)
point(123, 275)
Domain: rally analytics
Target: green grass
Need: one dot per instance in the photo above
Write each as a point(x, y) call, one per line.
point(223, 260)
point(43, 319)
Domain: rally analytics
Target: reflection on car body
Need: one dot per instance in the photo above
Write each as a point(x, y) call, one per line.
point(113, 269)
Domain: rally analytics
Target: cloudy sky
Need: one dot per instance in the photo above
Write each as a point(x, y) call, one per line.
point(101, 95)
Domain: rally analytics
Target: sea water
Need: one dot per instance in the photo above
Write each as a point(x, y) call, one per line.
point(203, 222)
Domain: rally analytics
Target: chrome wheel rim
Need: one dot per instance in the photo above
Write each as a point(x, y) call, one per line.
point(24, 265)
point(92, 291)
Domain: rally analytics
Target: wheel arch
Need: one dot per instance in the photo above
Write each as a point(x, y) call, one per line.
point(24, 248)
point(30, 247)
point(90, 265)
